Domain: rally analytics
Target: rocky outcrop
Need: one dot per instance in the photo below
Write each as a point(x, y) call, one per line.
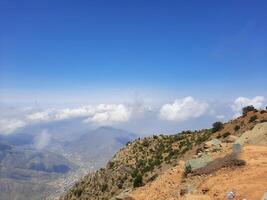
point(257, 136)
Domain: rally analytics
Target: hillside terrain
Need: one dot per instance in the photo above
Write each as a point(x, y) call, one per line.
point(187, 165)
point(30, 173)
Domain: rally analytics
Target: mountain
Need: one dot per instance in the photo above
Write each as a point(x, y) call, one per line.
point(27, 173)
point(31, 173)
point(175, 166)
point(99, 145)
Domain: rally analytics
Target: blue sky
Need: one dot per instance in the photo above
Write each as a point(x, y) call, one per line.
point(155, 65)
point(177, 48)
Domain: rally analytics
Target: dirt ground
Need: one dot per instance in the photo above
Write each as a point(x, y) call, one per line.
point(165, 187)
point(248, 181)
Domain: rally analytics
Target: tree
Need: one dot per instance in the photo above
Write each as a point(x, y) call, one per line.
point(217, 126)
point(247, 109)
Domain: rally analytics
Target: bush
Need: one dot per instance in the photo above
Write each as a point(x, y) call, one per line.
point(237, 128)
point(247, 109)
point(253, 118)
point(104, 187)
point(187, 170)
point(138, 181)
point(217, 126)
point(226, 134)
point(78, 192)
point(145, 143)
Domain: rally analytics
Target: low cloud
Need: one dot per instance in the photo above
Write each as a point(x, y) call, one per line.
point(241, 102)
point(42, 140)
point(183, 109)
point(101, 114)
point(108, 114)
point(8, 126)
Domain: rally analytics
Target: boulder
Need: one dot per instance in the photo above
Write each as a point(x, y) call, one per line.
point(198, 162)
point(213, 145)
point(256, 136)
point(231, 139)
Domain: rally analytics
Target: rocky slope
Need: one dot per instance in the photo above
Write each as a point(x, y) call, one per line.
point(152, 168)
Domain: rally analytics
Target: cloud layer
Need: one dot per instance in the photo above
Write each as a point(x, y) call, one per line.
point(183, 109)
point(126, 115)
point(102, 114)
point(241, 102)
point(8, 126)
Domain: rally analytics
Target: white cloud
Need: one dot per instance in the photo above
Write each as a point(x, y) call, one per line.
point(109, 114)
point(42, 140)
point(8, 126)
point(183, 109)
point(241, 102)
point(102, 114)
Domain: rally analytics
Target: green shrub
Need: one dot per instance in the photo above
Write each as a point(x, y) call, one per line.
point(187, 170)
point(104, 187)
point(138, 181)
point(253, 118)
point(237, 128)
point(217, 126)
point(226, 134)
point(78, 192)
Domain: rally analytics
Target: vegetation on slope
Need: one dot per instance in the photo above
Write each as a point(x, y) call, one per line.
point(140, 161)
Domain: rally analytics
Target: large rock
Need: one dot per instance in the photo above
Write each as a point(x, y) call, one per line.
point(213, 145)
point(256, 136)
point(231, 139)
point(198, 162)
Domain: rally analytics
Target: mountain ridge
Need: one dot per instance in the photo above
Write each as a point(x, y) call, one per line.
point(141, 161)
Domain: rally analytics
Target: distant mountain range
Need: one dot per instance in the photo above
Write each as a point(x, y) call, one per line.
point(30, 173)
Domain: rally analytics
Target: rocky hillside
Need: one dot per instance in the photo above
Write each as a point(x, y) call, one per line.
point(145, 162)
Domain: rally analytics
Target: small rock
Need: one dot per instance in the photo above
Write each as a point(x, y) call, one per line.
point(230, 195)
point(205, 190)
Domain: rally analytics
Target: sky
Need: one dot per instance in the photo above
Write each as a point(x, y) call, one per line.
point(157, 57)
